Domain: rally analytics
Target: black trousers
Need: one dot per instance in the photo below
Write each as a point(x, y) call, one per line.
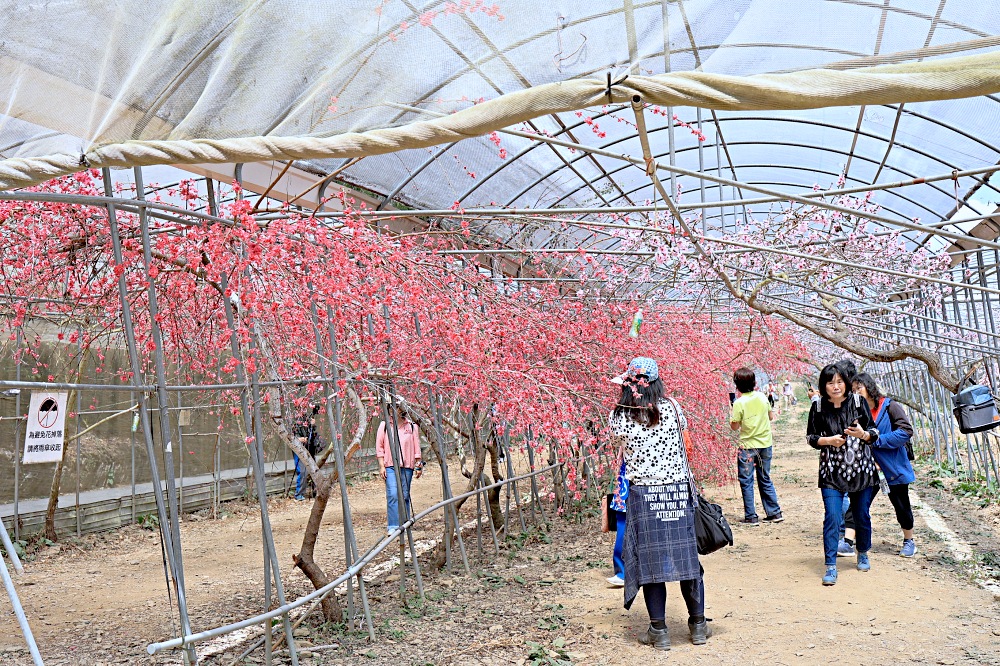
point(899, 497)
point(693, 591)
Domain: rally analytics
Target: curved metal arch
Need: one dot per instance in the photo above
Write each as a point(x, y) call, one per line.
point(815, 123)
point(513, 236)
point(614, 142)
point(509, 240)
point(793, 145)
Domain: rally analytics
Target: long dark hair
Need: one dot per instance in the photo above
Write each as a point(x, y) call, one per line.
point(640, 400)
point(871, 386)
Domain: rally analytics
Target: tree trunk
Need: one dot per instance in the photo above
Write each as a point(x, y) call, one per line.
point(50, 511)
point(332, 611)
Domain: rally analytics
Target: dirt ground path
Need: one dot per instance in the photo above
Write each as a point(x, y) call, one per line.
point(110, 588)
point(102, 600)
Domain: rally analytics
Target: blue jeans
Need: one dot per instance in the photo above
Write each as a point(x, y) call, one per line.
point(747, 461)
point(833, 518)
point(619, 563)
point(392, 499)
point(300, 477)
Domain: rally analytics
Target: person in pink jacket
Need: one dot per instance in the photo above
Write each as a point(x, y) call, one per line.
point(408, 436)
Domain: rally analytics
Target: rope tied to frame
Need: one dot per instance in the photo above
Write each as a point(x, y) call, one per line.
point(612, 84)
point(954, 179)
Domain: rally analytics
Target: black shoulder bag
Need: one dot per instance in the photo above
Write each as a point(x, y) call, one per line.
point(711, 528)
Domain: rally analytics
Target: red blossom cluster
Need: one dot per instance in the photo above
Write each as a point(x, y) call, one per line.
point(538, 356)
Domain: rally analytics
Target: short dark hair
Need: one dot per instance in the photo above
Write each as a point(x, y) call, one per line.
point(871, 386)
point(827, 374)
point(848, 371)
point(745, 380)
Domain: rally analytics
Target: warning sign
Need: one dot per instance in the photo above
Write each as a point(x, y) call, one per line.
point(43, 441)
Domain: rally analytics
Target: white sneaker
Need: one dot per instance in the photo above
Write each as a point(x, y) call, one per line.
point(616, 581)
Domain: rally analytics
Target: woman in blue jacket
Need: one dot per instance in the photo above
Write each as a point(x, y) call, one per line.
point(891, 453)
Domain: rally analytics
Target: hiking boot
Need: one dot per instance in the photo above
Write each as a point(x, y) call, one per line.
point(863, 563)
point(845, 548)
point(700, 632)
point(616, 581)
point(830, 577)
point(658, 638)
point(909, 548)
point(752, 522)
point(776, 518)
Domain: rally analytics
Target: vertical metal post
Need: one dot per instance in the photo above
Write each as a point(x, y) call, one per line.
point(397, 469)
point(404, 508)
point(269, 550)
point(450, 515)
point(131, 446)
point(9, 547)
point(670, 109)
point(535, 498)
point(79, 408)
point(350, 539)
point(18, 446)
point(252, 422)
point(701, 170)
point(164, 515)
point(19, 612)
point(334, 423)
point(180, 445)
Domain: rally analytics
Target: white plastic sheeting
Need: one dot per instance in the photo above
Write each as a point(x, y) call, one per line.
point(85, 78)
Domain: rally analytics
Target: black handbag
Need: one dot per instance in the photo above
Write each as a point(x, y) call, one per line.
point(711, 527)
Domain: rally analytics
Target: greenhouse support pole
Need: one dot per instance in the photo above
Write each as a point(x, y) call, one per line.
point(22, 619)
point(163, 515)
point(535, 497)
point(265, 519)
point(483, 482)
point(670, 109)
point(163, 400)
point(253, 427)
point(79, 408)
point(131, 447)
point(9, 548)
point(446, 481)
point(450, 515)
point(336, 431)
point(18, 448)
point(404, 514)
point(180, 446)
point(397, 466)
point(511, 475)
point(350, 538)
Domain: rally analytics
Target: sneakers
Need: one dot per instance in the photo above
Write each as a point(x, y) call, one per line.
point(299, 498)
point(830, 577)
point(752, 522)
point(909, 548)
point(863, 563)
point(845, 548)
point(776, 518)
point(658, 638)
point(616, 581)
point(700, 632)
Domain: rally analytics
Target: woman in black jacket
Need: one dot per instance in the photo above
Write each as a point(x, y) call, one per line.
point(841, 427)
